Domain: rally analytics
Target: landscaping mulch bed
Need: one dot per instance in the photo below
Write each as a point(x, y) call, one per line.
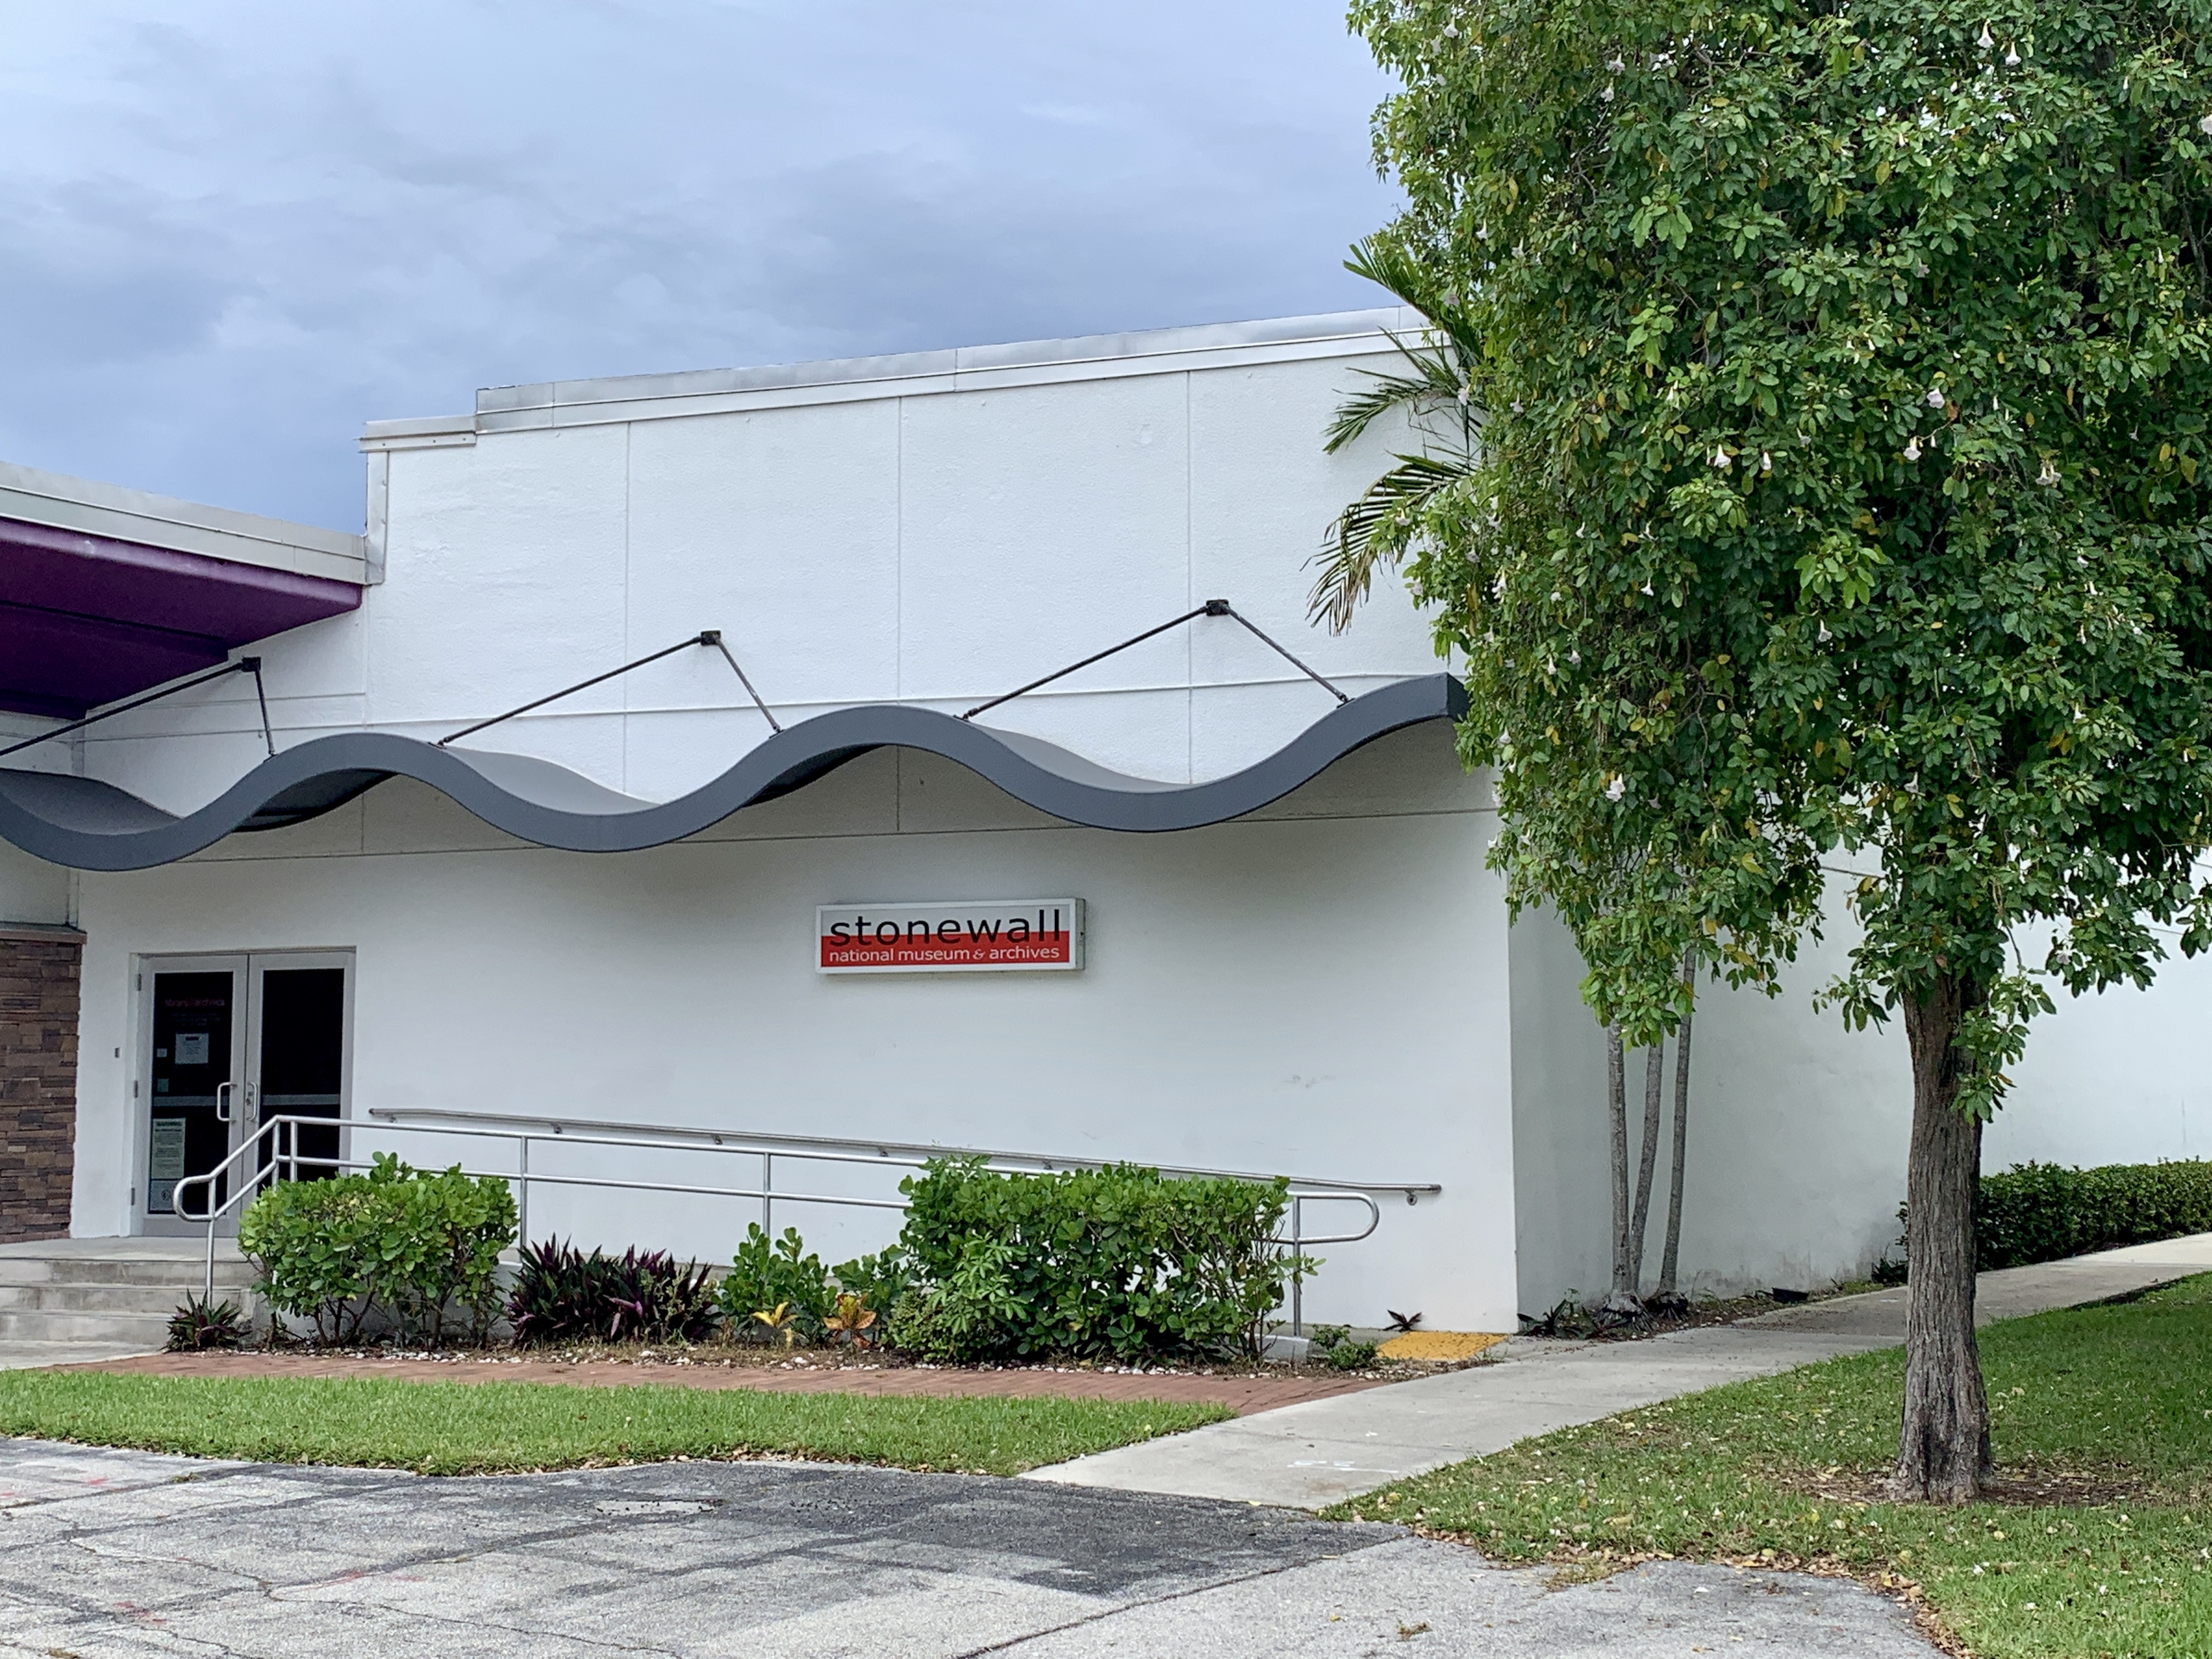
point(1589, 1325)
point(1243, 1392)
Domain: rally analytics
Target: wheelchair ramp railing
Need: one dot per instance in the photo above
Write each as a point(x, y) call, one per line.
point(273, 1153)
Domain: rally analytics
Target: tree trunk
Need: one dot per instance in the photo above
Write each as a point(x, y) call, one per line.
point(1943, 1454)
point(1622, 1297)
point(1670, 1260)
point(1639, 1227)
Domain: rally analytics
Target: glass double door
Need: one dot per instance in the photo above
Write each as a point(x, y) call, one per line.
point(230, 1042)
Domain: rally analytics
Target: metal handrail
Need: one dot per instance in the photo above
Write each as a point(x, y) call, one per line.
point(285, 1127)
point(885, 1151)
point(769, 1147)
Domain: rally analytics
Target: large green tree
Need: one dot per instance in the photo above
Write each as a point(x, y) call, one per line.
point(1841, 503)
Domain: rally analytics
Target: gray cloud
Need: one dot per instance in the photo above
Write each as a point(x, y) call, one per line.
point(225, 242)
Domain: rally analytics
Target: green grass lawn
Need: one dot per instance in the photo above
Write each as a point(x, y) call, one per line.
point(476, 1428)
point(2103, 1431)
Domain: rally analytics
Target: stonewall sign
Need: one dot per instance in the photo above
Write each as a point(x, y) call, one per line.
point(988, 936)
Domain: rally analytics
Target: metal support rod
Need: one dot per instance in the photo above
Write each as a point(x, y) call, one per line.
point(1211, 608)
point(768, 1187)
point(706, 637)
point(1298, 1283)
point(522, 1203)
point(243, 664)
point(261, 695)
point(713, 636)
point(1100, 656)
point(1225, 610)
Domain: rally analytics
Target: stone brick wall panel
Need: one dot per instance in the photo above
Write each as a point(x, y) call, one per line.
point(37, 1083)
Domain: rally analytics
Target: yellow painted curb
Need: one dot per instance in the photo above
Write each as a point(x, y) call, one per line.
point(1438, 1345)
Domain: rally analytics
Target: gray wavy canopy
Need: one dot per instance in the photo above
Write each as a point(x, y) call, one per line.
point(90, 825)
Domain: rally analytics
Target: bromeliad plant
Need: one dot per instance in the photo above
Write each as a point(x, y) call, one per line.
point(562, 1295)
point(199, 1324)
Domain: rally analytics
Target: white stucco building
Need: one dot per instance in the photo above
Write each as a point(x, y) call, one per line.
point(1323, 985)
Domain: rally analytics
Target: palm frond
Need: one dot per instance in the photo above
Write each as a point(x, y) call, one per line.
point(1376, 530)
point(1388, 519)
point(1437, 381)
point(1396, 268)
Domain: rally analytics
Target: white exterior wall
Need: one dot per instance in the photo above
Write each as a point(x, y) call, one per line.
point(2114, 1078)
point(1798, 1128)
point(32, 890)
point(935, 539)
point(1261, 995)
point(1296, 992)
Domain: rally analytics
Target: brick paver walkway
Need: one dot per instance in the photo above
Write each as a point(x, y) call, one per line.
point(1242, 1394)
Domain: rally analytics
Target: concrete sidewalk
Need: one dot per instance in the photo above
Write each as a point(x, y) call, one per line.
point(1316, 1453)
point(20, 1355)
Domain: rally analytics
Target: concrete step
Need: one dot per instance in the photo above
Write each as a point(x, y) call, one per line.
point(141, 1331)
point(182, 1272)
point(163, 1299)
point(118, 1292)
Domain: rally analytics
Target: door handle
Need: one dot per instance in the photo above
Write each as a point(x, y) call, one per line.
point(223, 1093)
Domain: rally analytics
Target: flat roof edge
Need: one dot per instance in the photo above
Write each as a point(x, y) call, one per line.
point(87, 507)
point(1141, 351)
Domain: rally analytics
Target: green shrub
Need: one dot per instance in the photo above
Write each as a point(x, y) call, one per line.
point(562, 1295)
point(421, 1246)
point(1333, 1345)
point(1112, 1263)
point(765, 1275)
point(880, 1281)
point(2043, 1212)
point(965, 1315)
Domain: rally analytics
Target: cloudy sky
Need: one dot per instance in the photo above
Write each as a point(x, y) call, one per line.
point(232, 232)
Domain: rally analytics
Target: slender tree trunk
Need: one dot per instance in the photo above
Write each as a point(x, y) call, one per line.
point(1622, 1297)
point(1670, 1260)
point(1943, 1454)
point(1639, 1227)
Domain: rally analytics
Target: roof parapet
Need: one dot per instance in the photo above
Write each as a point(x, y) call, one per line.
point(621, 398)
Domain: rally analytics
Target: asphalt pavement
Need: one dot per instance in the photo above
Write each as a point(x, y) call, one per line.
point(123, 1555)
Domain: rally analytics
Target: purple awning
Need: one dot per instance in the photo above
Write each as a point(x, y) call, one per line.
point(85, 620)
